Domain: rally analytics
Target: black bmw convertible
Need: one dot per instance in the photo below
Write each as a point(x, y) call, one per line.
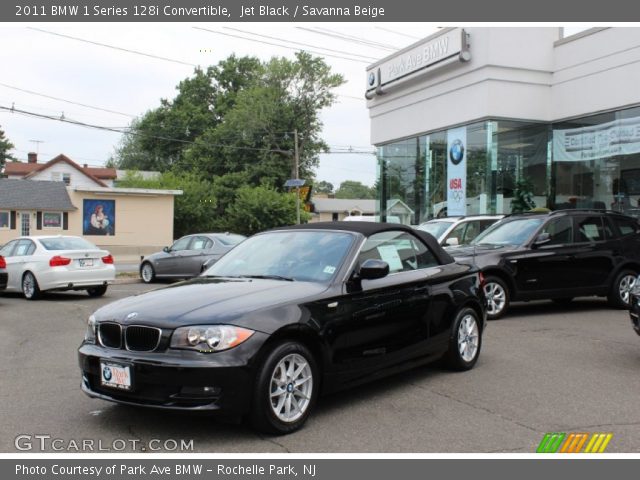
point(285, 316)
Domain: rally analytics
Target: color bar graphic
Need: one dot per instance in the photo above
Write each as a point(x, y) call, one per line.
point(556, 442)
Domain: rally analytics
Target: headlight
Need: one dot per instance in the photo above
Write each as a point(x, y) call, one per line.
point(90, 334)
point(209, 338)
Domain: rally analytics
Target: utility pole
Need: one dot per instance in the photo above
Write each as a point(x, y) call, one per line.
point(297, 174)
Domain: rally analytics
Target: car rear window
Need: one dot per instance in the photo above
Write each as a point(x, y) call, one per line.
point(230, 239)
point(626, 226)
point(67, 243)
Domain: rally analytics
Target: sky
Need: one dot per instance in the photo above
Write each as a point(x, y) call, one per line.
point(43, 60)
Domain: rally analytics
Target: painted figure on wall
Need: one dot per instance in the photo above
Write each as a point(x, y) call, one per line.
point(99, 217)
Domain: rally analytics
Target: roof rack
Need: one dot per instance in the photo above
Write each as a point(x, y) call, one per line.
point(594, 210)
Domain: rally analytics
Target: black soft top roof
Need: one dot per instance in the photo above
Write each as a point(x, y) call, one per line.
point(370, 228)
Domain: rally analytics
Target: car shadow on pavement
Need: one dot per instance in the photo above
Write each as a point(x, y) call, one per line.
point(232, 434)
point(547, 307)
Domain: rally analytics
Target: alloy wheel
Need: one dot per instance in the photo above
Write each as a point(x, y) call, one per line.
point(468, 338)
point(291, 388)
point(28, 285)
point(625, 286)
point(496, 298)
point(147, 273)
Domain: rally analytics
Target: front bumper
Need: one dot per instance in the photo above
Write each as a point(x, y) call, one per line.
point(176, 379)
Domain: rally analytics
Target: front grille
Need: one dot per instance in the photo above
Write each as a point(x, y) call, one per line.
point(110, 335)
point(142, 339)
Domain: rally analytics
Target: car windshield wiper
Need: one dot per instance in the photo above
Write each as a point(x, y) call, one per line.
point(268, 277)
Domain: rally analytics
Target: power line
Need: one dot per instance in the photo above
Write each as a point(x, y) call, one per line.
point(31, 92)
point(158, 137)
point(398, 33)
point(347, 38)
point(300, 43)
point(136, 52)
point(263, 42)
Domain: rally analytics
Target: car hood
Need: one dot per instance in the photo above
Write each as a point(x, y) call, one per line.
point(477, 250)
point(213, 301)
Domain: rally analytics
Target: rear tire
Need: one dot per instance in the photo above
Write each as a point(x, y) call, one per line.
point(620, 293)
point(465, 342)
point(30, 288)
point(497, 295)
point(97, 291)
point(286, 389)
point(147, 272)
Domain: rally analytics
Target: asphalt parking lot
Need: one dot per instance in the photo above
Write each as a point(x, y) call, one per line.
point(543, 368)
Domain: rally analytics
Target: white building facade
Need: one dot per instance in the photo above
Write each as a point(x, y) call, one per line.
point(473, 120)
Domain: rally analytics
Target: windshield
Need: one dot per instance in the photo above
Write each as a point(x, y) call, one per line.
point(229, 239)
point(514, 232)
point(435, 228)
point(67, 243)
point(288, 255)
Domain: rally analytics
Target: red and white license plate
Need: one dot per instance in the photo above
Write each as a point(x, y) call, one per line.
point(115, 376)
point(85, 262)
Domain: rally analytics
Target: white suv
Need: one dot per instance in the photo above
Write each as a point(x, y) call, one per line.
point(451, 231)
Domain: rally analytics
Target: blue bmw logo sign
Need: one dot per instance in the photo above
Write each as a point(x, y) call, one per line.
point(456, 152)
point(372, 79)
point(106, 373)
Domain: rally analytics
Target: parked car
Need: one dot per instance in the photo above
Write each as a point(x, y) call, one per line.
point(453, 231)
point(284, 315)
point(38, 264)
point(188, 256)
point(558, 255)
point(3, 273)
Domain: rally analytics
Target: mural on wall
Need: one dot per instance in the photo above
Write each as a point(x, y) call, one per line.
point(99, 217)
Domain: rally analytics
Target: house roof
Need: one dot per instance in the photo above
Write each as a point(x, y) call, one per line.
point(344, 205)
point(17, 194)
point(28, 169)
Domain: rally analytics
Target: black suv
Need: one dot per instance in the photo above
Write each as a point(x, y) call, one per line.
point(557, 255)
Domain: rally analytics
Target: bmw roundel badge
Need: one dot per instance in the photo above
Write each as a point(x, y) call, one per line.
point(106, 373)
point(456, 152)
point(372, 79)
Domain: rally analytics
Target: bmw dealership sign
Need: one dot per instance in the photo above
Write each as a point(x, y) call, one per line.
point(457, 171)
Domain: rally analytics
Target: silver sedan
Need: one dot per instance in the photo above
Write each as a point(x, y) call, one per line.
point(188, 256)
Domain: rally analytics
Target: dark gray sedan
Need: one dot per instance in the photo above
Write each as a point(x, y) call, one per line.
point(188, 256)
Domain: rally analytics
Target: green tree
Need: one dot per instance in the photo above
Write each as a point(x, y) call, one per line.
point(323, 187)
point(354, 189)
point(194, 210)
point(238, 116)
point(5, 146)
point(260, 208)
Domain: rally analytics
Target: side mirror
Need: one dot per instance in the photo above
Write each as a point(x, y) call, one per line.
point(372, 269)
point(541, 239)
point(166, 249)
point(452, 242)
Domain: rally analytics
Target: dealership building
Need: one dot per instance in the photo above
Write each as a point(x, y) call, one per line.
point(467, 120)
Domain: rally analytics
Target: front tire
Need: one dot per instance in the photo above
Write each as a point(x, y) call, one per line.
point(497, 295)
point(465, 342)
point(620, 293)
point(30, 288)
point(147, 273)
point(286, 389)
point(97, 291)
